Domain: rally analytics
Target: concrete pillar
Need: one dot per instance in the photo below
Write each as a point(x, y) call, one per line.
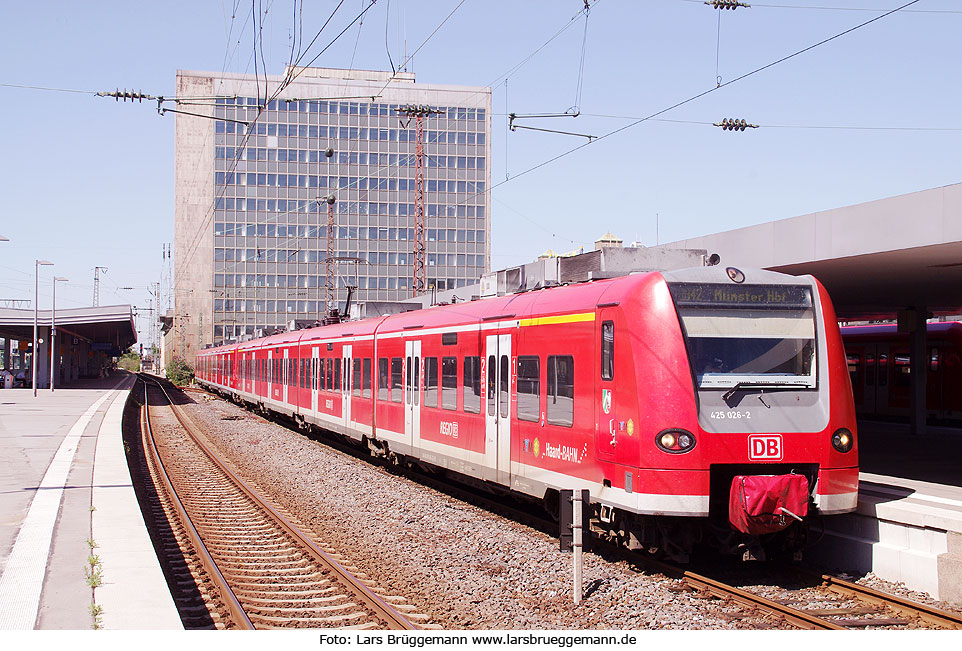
point(42, 358)
point(916, 325)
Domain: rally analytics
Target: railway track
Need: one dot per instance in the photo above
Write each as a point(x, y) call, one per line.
point(840, 604)
point(264, 570)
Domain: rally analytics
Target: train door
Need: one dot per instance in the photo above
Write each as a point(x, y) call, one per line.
point(605, 425)
point(346, 385)
point(876, 379)
point(270, 374)
point(412, 393)
point(286, 374)
point(497, 428)
point(316, 370)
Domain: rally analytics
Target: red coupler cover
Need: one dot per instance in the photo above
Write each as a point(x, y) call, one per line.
point(756, 502)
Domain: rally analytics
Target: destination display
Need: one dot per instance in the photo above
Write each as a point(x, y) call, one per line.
point(707, 294)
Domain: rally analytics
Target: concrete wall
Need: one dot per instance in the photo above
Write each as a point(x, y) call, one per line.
point(194, 219)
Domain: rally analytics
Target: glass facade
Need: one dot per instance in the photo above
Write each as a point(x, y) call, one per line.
point(270, 229)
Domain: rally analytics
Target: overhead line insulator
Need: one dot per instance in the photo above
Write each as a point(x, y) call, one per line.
point(127, 94)
point(729, 124)
point(726, 4)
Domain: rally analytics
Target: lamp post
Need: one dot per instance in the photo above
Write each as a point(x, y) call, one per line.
point(53, 328)
point(34, 358)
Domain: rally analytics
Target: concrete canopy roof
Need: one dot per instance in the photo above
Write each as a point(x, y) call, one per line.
point(112, 324)
point(874, 258)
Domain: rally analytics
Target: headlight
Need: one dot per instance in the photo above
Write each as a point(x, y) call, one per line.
point(675, 441)
point(842, 440)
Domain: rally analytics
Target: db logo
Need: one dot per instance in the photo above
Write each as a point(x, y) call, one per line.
point(768, 446)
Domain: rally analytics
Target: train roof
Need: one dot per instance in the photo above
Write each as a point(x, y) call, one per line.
point(546, 301)
point(553, 300)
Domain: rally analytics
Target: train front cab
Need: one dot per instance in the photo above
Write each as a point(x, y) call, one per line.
point(733, 379)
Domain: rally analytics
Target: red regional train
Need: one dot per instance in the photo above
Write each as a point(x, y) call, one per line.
point(706, 405)
point(879, 363)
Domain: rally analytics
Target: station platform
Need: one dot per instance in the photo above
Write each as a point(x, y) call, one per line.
point(68, 497)
point(908, 525)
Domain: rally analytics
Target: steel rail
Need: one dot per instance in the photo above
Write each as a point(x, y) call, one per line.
point(394, 619)
point(926, 613)
point(797, 617)
point(234, 608)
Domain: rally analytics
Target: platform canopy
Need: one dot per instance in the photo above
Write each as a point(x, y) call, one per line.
point(875, 258)
point(111, 325)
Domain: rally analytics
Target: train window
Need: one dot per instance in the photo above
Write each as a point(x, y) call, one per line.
point(430, 381)
point(383, 379)
point(411, 375)
point(869, 369)
point(607, 350)
point(903, 370)
point(366, 378)
point(472, 385)
point(529, 388)
point(504, 389)
point(492, 385)
point(853, 359)
point(883, 370)
point(357, 377)
point(337, 374)
point(397, 379)
point(449, 382)
point(933, 359)
point(417, 394)
point(449, 339)
point(561, 390)
point(757, 334)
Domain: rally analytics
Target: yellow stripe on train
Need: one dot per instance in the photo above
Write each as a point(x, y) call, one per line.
point(561, 318)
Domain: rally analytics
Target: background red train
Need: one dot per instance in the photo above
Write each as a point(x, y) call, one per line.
point(657, 392)
point(879, 365)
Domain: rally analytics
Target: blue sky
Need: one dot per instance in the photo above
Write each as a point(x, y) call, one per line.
point(87, 181)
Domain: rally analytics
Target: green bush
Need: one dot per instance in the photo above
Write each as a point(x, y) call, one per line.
point(180, 372)
point(129, 361)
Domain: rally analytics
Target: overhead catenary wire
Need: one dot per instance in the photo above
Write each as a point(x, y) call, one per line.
point(843, 127)
point(288, 80)
point(705, 92)
point(836, 8)
point(191, 249)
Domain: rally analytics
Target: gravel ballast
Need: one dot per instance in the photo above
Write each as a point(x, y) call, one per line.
point(463, 567)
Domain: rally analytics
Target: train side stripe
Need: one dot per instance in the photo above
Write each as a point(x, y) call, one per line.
point(561, 318)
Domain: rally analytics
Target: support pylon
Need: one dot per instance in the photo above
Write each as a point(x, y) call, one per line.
point(419, 282)
point(331, 286)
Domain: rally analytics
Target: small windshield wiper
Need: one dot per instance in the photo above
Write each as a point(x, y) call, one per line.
point(727, 396)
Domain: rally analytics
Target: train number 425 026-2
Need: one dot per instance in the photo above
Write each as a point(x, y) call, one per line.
point(731, 415)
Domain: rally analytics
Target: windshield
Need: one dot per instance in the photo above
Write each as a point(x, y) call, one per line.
point(759, 334)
